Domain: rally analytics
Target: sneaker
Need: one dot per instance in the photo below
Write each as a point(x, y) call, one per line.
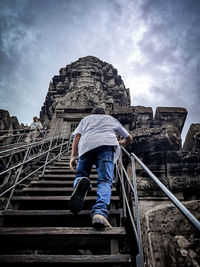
point(77, 198)
point(99, 221)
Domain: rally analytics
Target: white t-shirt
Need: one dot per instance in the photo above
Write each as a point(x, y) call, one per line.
point(35, 125)
point(99, 130)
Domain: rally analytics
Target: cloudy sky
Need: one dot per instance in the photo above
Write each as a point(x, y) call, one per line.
point(154, 44)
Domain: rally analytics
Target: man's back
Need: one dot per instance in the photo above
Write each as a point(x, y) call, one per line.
point(98, 130)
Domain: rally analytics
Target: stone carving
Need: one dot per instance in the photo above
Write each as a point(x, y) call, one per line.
point(168, 239)
point(86, 83)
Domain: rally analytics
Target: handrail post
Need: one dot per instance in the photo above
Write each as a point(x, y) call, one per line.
point(7, 165)
point(122, 180)
point(139, 257)
point(43, 141)
point(17, 178)
point(61, 147)
point(47, 157)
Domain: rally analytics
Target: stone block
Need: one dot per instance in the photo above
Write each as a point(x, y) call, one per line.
point(143, 117)
point(192, 141)
point(146, 140)
point(168, 238)
point(183, 170)
point(125, 117)
point(174, 116)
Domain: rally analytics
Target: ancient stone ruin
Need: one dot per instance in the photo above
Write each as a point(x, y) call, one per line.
point(168, 239)
point(90, 82)
point(82, 85)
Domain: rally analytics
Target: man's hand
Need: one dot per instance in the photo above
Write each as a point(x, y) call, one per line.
point(126, 141)
point(73, 163)
point(122, 142)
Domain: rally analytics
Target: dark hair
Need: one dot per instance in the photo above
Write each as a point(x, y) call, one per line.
point(98, 111)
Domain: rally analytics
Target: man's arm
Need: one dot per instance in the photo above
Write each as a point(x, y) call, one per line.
point(73, 161)
point(39, 126)
point(126, 141)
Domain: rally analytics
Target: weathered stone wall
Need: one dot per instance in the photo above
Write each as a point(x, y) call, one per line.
point(8, 124)
point(192, 141)
point(168, 237)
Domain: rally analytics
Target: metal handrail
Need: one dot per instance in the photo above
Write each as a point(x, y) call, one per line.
point(20, 137)
point(46, 163)
point(191, 218)
point(133, 188)
point(8, 189)
point(26, 145)
point(11, 130)
point(43, 166)
point(26, 161)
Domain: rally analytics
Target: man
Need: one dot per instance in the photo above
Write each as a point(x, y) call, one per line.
point(34, 128)
point(96, 143)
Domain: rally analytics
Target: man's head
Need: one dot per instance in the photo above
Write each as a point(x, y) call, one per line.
point(35, 119)
point(98, 111)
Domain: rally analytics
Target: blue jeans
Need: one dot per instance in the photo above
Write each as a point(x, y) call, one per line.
point(103, 158)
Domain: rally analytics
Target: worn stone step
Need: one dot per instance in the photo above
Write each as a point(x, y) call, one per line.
point(60, 170)
point(65, 198)
point(65, 158)
point(53, 202)
point(63, 169)
point(61, 231)
point(63, 176)
point(54, 191)
point(55, 183)
point(55, 239)
point(60, 162)
point(37, 218)
point(67, 259)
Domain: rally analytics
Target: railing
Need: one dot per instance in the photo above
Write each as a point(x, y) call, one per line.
point(51, 145)
point(128, 189)
point(124, 179)
point(11, 130)
point(17, 138)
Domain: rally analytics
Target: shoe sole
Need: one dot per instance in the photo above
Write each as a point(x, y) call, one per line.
point(98, 223)
point(77, 199)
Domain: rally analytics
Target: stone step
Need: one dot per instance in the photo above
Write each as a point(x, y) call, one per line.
point(35, 218)
point(53, 239)
point(55, 183)
point(67, 259)
point(63, 169)
point(54, 191)
point(60, 170)
point(61, 231)
point(62, 176)
point(53, 202)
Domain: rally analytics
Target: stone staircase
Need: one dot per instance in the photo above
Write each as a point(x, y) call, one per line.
point(40, 230)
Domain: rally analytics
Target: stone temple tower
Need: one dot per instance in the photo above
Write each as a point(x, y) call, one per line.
point(81, 86)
